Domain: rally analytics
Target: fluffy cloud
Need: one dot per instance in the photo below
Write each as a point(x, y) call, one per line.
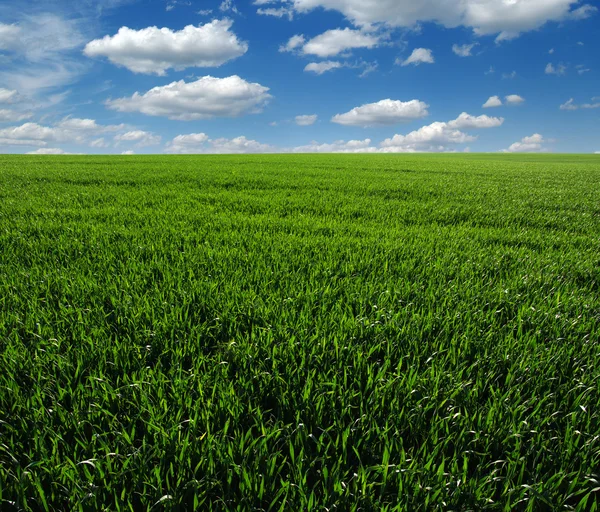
point(514, 99)
point(468, 122)
point(154, 51)
point(431, 138)
point(384, 112)
point(306, 120)
point(463, 50)
point(493, 101)
point(560, 70)
point(418, 56)
point(437, 136)
point(486, 17)
point(197, 143)
point(140, 137)
point(339, 146)
point(334, 42)
point(322, 67)
point(570, 105)
point(71, 130)
point(532, 144)
point(205, 98)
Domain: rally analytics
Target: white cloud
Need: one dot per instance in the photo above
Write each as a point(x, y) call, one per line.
point(12, 116)
point(228, 5)
point(9, 36)
point(71, 130)
point(509, 76)
point(306, 120)
point(431, 138)
point(294, 43)
point(334, 42)
point(322, 67)
point(418, 56)
point(140, 137)
point(128, 153)
point(570, 105)
point(532, 144)
point(384, 112)
point(463, 50)
point(493, 101)
point(154, 51)
point(551, 70)
point(468, 122)
point(279, 12)
point(99, 143)
point(200, 143)
point(86, 126)
point(437, 136)
point(41, 49)
point(48, 151)
point(339, 146)
point(506, 18)
point(514, 99)
point(205, 98)
point(551, 51)
point(8, 96)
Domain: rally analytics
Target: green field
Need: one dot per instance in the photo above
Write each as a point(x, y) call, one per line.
point(373, 333)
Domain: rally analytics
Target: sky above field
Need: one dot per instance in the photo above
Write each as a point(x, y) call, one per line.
point(226, 76)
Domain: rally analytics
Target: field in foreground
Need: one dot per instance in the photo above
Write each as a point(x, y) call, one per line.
point(300, 333)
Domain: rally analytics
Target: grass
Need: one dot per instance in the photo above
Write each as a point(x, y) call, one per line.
point(381, 333)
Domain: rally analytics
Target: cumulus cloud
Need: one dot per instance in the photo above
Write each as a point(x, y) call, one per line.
point(330, 43)
point(437, 136)
point(531, 144)
point(463, 50)
point(382, 113)
point(73, 130)
point(306, 120)
point(506, 19)
point(493, 101)
point(140, 137)
point(322, 67)
point(205, 98)
point(430, 138)
point(560, 70)
point(153, 51)
point(200, 143)
point(418, 56)
point(514, 99)
point(468, 122)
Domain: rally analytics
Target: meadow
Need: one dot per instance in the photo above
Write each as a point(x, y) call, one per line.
point(300, 332)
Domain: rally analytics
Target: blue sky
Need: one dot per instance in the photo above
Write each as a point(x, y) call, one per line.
point(178, 76)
